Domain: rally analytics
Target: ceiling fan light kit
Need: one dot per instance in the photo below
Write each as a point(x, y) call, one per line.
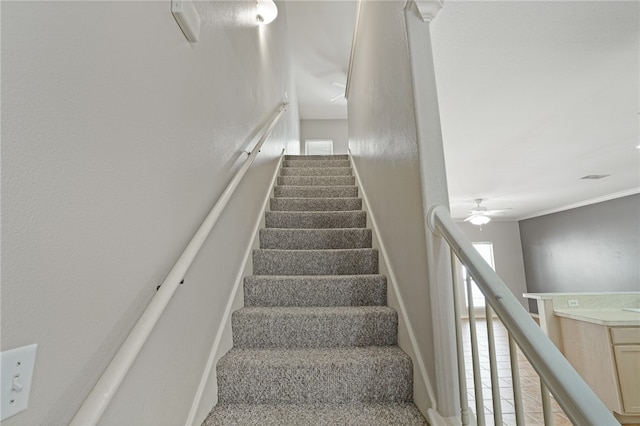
point(480, 215)
point(479, 219)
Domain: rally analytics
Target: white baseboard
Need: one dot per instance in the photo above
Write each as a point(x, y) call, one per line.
point(435, 419)
point(414, 351)
point(218, 349)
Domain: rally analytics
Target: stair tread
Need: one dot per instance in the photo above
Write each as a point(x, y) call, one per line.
point(315, 163)
point(321, 251)
point(317, 157)
point(316, 171)
point(315, 375)
point(316, 180)
point(293, 358)
point(316, 219)
point(315, 238)
point(343, 277)
point(315, 262)
point(301, 311)
point(406, 414)
point(320, 191)
point(314, 327)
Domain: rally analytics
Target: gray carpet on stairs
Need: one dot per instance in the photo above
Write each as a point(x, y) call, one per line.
point(315, 343)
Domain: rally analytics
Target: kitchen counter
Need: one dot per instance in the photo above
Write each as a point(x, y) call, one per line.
point(597, 308)
point(608, 317)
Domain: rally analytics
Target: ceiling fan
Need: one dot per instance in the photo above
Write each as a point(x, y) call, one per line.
point(480, 215)
point(341, 86)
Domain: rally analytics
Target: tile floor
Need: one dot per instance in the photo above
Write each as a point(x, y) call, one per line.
point(530, 383)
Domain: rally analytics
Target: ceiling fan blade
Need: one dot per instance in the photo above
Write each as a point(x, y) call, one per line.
point(498, 211)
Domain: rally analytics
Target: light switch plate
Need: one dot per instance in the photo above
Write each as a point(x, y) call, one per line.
point(16, 372)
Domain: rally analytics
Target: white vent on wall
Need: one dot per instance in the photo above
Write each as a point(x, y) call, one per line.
point(318, 147)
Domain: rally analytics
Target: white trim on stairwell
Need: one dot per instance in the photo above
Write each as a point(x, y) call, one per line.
point(225, 323)
point(432, 415)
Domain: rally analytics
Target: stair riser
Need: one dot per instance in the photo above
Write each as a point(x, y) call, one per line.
point(343, 157)
point(383, 381)
point(311, 220)
point(316, 415)
point(290, 328)
point(315, 291)
point(316, 171)
point(317, 180)
point(314, 239)
point(315, 192)
point(315, 262)
point(316, 163)
point(315, 204)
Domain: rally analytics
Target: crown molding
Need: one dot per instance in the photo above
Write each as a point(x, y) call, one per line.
point(590, 201)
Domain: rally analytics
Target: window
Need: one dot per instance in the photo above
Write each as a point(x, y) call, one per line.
point(318, 147)
point(486, 251)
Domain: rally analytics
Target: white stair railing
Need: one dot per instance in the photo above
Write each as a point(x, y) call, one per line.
point(103, 391)
point(579, 402)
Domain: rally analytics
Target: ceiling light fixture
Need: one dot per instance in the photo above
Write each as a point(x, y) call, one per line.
point(479, 219)
point(267, 12)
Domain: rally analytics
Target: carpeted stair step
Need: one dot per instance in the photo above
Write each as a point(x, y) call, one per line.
point(314, 327)
point(315, 343)
point(317, 157)
point(343, 219)
point(316, 414)
point(316, 163)
point(315, 262)
point(315, 204)
point(317, 180)
point(316, 171)
point(325, 375)
point(315, 191)
point(315, 239)
point(320, 290)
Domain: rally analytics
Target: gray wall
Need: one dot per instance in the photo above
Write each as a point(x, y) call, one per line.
point(382, 138)
point(118, 136)
point(507, 252)
point(588, 249)
point(336, 130)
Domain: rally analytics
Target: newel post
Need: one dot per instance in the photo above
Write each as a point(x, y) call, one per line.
point(418, 16)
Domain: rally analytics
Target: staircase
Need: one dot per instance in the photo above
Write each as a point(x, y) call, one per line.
point(315, 343)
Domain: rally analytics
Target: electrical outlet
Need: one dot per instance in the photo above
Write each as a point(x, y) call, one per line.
point(573, 303)
point(16, 372)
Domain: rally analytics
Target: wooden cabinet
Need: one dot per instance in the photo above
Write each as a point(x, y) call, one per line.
point(608, 359)
point(628, 367)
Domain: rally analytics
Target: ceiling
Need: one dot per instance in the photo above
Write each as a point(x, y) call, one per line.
point(533, 95)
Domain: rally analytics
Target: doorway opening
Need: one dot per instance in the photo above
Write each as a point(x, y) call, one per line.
point(318, 147)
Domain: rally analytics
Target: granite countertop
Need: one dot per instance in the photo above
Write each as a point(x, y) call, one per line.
point(606, 317)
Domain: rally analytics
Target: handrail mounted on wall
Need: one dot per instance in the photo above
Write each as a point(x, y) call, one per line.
point(98, 399)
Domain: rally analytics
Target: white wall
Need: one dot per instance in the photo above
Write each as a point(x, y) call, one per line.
point(336, 130)
point(118, 136)
point(507, 252)
point(383, 141)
